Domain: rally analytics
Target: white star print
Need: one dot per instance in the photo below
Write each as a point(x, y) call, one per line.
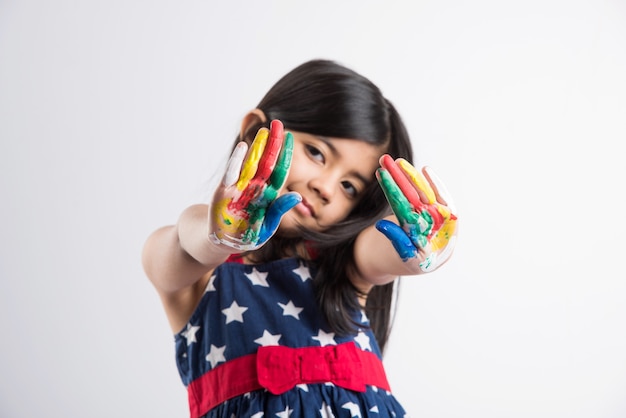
point(210, 287)
point(258, 278)
point(354, 409)
point(291, 309)
point(364, 318)
point(285, 414)
point(268, 339)
point(326, 412)
point(363, 340)
point(190, 334)
point(303, 386)
point(257, 415)
point(234, 313)
point(374, 409)
point(325, 338)
point(303, 272)
point(216, 355)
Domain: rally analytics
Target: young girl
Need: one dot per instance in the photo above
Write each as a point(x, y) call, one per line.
point(280, 291)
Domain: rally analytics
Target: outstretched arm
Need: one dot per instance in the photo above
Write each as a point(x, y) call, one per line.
point(177, 258)
point(244, 214)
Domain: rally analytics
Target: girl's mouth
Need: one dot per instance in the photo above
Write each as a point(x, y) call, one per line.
point(304, 208)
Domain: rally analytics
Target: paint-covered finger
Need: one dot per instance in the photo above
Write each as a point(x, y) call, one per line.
point(396, 198)
point(251, 163)
point(279, 175)
point(418, 179)
point(408, 189)
point(275, 213)
point(233, 168)
point(441, 191)
point(271, 152)
point(400, 241)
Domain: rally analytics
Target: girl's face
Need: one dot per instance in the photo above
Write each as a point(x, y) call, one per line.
point(331, 175)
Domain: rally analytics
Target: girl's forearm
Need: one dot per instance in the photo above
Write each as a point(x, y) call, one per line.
point(177, 256)
point(377, 260)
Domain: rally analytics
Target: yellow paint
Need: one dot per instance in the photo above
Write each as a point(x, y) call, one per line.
point(227, 224)
point(442, 237)
point(418, 179)
point(254, 156)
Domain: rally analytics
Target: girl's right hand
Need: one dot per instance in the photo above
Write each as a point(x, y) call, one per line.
point(245, 211)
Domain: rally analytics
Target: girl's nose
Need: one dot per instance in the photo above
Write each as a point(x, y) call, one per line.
point(323, 187)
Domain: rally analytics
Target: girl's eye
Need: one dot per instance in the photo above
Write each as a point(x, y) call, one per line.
point(349, 188)
point(315, 153)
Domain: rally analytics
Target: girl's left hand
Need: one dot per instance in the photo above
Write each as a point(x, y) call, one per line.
point(427, 222)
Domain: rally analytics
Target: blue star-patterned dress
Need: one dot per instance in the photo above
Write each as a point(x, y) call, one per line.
point(245, 307)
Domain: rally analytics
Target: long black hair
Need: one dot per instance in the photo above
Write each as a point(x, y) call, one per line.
point(324, 98)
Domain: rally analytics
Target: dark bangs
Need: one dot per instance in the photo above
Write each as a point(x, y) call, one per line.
point(321, 98)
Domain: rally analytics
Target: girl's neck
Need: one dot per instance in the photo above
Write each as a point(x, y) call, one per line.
point(300, 249)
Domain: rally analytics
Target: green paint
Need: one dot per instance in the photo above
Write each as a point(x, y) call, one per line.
point(417, 226)
point(398, 202)
point(279, 175)
point(257, 208)
point(428, 263)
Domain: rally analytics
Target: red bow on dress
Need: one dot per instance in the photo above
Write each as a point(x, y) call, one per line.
point(280, 368)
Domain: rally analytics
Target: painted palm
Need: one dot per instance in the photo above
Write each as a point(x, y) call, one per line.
point(246, 209)
point(427, 224)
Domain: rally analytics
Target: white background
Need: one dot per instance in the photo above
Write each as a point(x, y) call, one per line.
point(115, 115)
